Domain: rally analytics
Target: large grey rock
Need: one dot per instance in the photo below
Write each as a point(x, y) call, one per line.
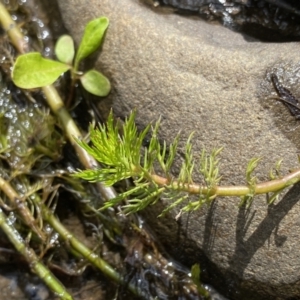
point(205, 78)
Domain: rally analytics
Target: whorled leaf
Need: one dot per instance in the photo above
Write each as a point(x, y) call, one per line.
point(209, 167)
point(275, 171)
point(186, 171)
point(252, 164)
point(31, 70)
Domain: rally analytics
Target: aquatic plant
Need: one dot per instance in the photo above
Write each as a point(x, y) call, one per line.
point(121, 155)
point(45, 71)
point(119, 149)
point(30, 179)
point(26, 172)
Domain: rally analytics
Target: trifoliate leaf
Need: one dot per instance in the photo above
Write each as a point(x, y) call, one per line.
point(91, 39)
point(64, 49)
point(95, 83)
point(31, 70)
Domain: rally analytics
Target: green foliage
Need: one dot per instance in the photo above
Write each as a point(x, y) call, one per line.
point(275, 172)
point(209, 167)
point(119, 149)
point(64, 49)
point(31, 70)
point(185, 175)
point(251, 181)
point(92, 38)
point(123, 156)
point(195, 272)
point(95, 83)
point(120, 153)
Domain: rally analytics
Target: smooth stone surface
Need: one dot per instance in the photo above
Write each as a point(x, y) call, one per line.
point(205, 78)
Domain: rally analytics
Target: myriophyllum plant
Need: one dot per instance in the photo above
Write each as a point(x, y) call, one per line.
point(31, 70)
point(120, 151)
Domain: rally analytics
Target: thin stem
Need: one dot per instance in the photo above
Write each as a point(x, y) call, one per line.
point(71, 240)
point(12, 30)
point(19, 204)
point(72, 89)
point(39, 268)
point(56, 104)
point(88, 254)
point(238, 190)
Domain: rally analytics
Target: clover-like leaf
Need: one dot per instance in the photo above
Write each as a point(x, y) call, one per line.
point(31, 70)
point(95, 83)
point(64, 49)
point(92, 38)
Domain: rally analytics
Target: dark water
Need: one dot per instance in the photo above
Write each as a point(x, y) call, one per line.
point(267, 20)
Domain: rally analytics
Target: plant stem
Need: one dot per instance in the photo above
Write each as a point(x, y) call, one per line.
point(19, 204)
point(238, 190)
point(12, 30)
point(39, 268)
point(71, 239)
point(56, 104)
point(93, 258)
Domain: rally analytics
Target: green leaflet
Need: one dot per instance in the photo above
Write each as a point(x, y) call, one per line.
point(92, 38)
point(64, 49)
point(31, 70)
point(95, 83)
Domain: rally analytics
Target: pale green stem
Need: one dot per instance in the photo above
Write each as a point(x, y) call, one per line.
point(88, 254)
point(234, 190)
point(71, 239)
point(19, 204)
point(37, 267)
point(12, 30)
point(56, 104)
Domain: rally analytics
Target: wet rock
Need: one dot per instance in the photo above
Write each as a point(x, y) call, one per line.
point(268, 20)
point(208, 79)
